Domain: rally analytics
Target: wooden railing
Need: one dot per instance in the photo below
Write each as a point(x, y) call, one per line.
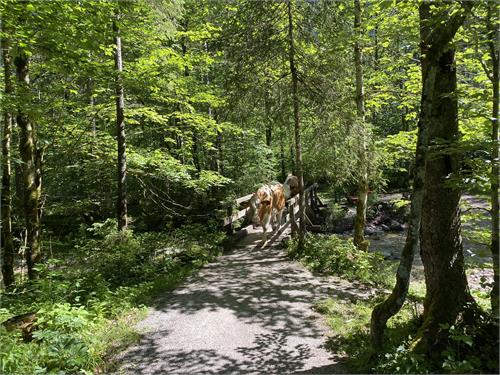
point(312, 204)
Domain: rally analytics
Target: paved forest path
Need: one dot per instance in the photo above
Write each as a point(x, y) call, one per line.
point(249, 312)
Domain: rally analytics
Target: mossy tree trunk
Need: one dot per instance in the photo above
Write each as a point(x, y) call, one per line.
point(121, 203)
point(391, 306)
point(7, 245)
point(31, 164)
point(297, 126)
point(438, 116)
point(494, 51)
point(447, 292)
point(360, 221)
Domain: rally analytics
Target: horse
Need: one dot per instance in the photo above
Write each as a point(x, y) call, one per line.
point(291, 186)
point(269, 202)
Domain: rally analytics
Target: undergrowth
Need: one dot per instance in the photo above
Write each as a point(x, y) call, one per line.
point(333, 255)
point(88, 296)
point(469, 349)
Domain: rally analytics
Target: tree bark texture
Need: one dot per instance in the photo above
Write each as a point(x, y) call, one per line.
point(282, 157)
point(493, 44)
point(447, 292)
point(269, 123)
point(7, 244)
point(31, 178)
point(297, 126)
point(433, 93)
point(121, 204)
point(391, 306)
point(360, 221)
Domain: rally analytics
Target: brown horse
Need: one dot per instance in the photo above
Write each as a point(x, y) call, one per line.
point(269, 202)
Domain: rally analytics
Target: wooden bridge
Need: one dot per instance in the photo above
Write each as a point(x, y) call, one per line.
point(248, 236)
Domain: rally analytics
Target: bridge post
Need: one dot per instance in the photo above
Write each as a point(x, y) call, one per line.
point(311, 198)
point(229, 227)
point(293, 223)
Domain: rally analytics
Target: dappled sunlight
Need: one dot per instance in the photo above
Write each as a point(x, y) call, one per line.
point(249, 312)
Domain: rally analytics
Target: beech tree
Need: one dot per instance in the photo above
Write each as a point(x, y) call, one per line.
point(7, 245)
point(121, 204)
point(493, 40)
point(359, 225)
point(31, 158)
point(435, 203)
point(297, 127)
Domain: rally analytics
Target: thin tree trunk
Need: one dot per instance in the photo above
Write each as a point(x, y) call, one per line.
point(269, 124)
point(27, 148)
point(282, 156)
point(447, 292)
point(494, 40)
point(220, 153)
point(215, 154)
point(297, 127)
point(195, 148)
point(92, 119)
point(121, 204)
point(282, 143)
point(7, 245)
point(360, 221)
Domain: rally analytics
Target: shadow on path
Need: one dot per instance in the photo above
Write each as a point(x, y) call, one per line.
point(248, 313)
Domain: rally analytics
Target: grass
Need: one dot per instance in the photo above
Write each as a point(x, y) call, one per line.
point(349, 319)
point(350, 326)
point(349, 322)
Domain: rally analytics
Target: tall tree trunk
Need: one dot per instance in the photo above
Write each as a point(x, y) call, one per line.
point(360, 221)
point(430, 101)
point(28, 151)
point(6, 242)
point(121, 204)
point(269, 124)
point(92, 108)
point(282, 155)
point(493, 43)
point(447, 292)
point(297, 127)
point(220, 153)
point(195, 147)
point(282, 143)
point(391, 306)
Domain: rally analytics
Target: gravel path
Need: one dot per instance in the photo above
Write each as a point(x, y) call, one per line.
point(250, 312)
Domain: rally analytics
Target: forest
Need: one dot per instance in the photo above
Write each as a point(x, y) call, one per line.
point(137, 135)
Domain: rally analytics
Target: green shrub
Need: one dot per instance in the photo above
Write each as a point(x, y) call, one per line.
point(64, 341)
point(80, 300)
point(401, 361)
point(65, 336)
point(17, 357)
point(334, 255)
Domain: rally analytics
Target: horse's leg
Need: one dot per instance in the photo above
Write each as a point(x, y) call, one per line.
point(265, 223)
point(280, 216)
point(273, 219)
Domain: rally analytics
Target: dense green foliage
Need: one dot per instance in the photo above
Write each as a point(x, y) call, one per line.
point(468, 350)
point(332, 255)
point(84, 313)
point(209, 117)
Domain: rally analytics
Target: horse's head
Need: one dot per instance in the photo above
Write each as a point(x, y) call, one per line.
point(291, 186)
